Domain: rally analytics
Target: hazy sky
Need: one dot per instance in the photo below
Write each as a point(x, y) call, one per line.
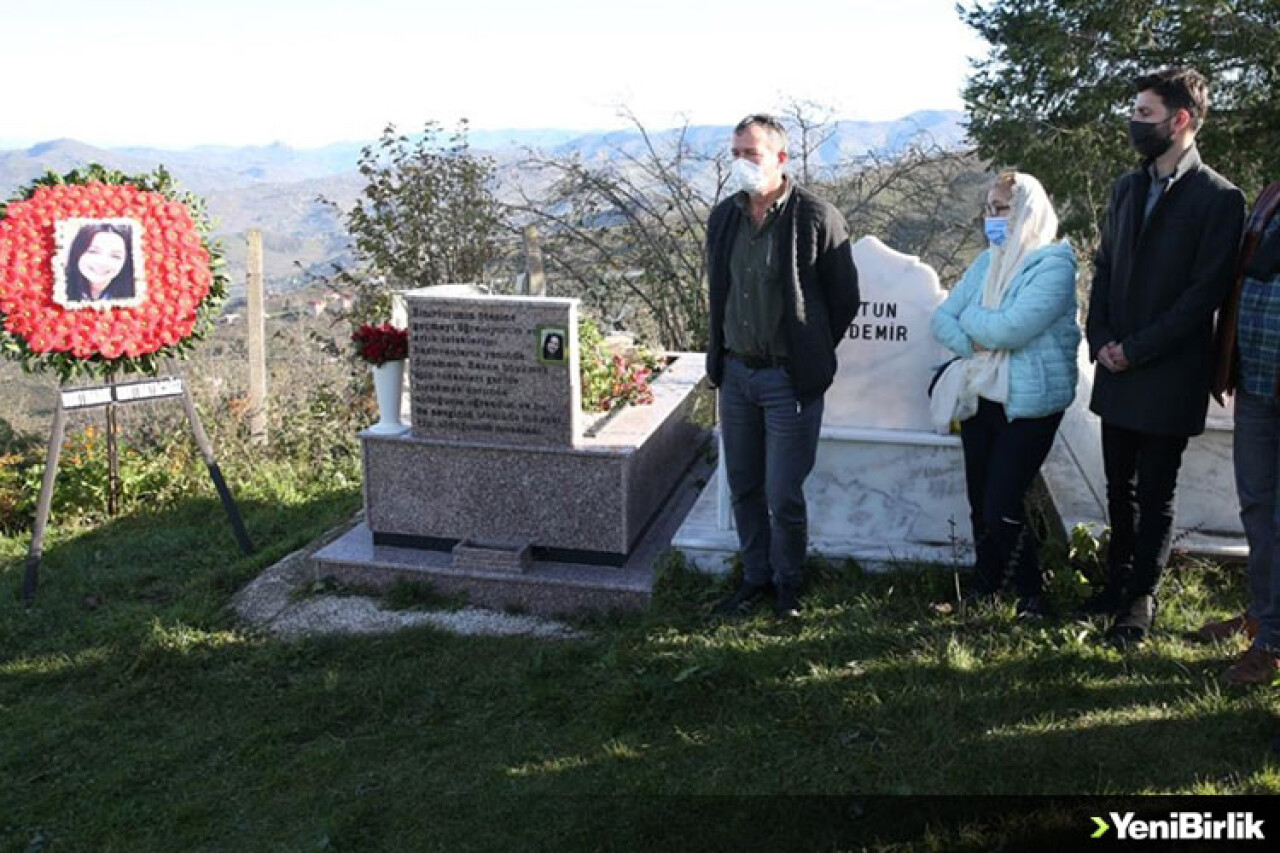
point(177, 73)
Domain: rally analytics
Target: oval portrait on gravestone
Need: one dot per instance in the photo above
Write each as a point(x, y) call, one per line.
point(552, 344)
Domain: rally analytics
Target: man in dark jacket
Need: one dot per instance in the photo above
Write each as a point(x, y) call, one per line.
point(783, 290)
point(1162, 269)
point(1248, 364)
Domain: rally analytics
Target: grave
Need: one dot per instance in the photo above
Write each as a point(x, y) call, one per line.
point(885, 488)
point(1206, 511)
point(500, 487)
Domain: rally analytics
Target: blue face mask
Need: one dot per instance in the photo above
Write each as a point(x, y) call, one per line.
point(996, 228)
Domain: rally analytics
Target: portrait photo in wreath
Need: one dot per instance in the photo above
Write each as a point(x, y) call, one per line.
point(99, 263)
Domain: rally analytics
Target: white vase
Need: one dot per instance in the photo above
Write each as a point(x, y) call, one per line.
point(388, 383)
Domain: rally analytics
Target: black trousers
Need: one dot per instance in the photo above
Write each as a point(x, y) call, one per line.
point(1001, 459)
point(1142, 478)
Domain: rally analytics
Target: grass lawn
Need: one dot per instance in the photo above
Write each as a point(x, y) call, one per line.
point(136, 715)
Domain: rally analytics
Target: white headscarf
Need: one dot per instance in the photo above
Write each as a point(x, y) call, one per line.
point(1032, 225)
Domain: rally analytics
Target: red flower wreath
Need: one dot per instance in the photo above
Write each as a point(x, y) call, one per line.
point(181, 286)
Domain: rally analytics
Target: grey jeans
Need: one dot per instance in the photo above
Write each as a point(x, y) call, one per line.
point(1257, 464)
point(770, 441)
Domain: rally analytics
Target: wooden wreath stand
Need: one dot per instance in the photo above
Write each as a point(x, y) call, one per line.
point(110, 397)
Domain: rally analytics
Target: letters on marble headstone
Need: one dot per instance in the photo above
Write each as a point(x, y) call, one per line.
point(878, 321)
point(888, 353)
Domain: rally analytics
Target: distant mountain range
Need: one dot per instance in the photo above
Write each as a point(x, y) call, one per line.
point(274, 187)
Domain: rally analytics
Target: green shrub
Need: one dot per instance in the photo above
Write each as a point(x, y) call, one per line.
point(611, 379)
point(19, 452)
point(314, 448)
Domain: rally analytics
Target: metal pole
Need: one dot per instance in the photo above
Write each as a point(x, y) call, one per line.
point(31, 579)
point(206, 450)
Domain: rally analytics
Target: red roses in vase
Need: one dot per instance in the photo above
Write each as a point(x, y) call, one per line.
point(381, 344)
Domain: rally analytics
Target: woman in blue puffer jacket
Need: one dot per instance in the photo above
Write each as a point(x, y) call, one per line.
point(1012, 320)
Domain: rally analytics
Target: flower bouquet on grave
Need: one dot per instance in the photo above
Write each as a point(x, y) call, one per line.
point(381, 344)
point(385, 348)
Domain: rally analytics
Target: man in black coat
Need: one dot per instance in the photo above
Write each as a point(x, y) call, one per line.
point(783, 290)
point(1163, 268)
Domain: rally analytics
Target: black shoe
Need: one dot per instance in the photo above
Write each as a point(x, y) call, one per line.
point(1031, 608)
point(1104, 601)
point(743, 601)
point(787, 605)
point(1133, 622)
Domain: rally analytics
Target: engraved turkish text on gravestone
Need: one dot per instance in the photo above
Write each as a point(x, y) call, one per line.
point(479, 368)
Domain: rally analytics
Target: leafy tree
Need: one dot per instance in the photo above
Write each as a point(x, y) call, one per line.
point(1053, 95)
point(427, 216)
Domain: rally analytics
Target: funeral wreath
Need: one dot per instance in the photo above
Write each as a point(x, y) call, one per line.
point(175, 273)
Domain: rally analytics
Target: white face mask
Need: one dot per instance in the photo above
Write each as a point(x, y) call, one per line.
point(747, 177)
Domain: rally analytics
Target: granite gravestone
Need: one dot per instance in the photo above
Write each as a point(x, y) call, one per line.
point(885, 488)
point(497, 491)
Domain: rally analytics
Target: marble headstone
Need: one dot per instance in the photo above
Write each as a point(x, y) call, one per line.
point(888, 355)
point(499, 369)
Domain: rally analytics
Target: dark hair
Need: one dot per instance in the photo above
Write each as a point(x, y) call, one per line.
point(769, 123)
point(1179, 89)
point(77, 284)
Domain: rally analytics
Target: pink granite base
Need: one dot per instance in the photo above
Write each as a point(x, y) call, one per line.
point(543, 588)
point(549, 589)
point(592, 500)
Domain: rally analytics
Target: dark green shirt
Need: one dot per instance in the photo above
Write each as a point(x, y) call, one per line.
point(753, 314)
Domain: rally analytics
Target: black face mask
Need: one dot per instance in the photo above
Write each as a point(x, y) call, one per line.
point(1146, 139)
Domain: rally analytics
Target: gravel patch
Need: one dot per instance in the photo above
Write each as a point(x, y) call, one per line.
point(269, 602)
point(355, 614)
